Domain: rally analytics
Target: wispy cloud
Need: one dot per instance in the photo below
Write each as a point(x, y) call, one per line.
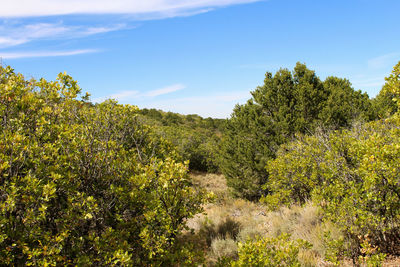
point(165, 90)
point(124, 94)
point(12, 35)
point(10, 41)
point(23, 8)
point(16, 30)
point(132, 95)
point(383, 61)
point(17, 55)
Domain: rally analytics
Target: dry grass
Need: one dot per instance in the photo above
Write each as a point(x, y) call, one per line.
point(224, 216)
point(303, 223)
point(254, 220)
point(212, 182)
point(224, 247)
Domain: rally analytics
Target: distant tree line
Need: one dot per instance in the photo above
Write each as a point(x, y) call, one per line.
point(195, 138)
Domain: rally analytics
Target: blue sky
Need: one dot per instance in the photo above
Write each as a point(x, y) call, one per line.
point(200, 56)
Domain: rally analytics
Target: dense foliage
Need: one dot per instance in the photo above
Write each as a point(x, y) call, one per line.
point(353, 175)
point(107, 184)
point(287, 103)
point(84, 184)
point(195, 139)
point(270, 252)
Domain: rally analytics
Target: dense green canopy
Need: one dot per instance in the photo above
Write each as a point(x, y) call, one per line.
point(287, 103)
point(84, 184)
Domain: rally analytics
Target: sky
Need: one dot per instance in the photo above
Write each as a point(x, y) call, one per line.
point(197, 56)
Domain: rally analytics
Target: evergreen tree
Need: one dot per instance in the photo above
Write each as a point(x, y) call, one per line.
point(287, 103)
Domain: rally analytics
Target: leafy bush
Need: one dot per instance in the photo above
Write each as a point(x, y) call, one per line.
point(353, 175)
point(196, 145)
point(84, 184)
point(292, 175)
point(392, 85)
point(280, 251)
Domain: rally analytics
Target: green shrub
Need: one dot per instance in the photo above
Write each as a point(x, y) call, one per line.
point(84, 184)
point(286, 104)
point(280, 251)
point(352, 175)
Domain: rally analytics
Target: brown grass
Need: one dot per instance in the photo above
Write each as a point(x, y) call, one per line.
point(254, 220)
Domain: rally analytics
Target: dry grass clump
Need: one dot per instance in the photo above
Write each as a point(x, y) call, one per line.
point(228, 228)
point(212, 182)
point(220, 238)
point(224, 247)
point(303, 223)
point(248, 214)
point(226, 221)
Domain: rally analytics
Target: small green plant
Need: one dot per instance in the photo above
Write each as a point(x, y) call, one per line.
point(334, 249)
point(279, 251)
point(370, 254)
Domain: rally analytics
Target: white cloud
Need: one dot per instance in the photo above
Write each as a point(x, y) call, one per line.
point(12, 35)
point(383, 61)
point(124, 94)
point(165, 90)
point(16, 55)
point(97, 30)
point(128, 96)
point(35, 8)
point(10, 41)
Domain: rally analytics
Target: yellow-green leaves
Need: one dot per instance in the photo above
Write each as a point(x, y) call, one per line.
point(393, 82)
point(84, 184)
point(270, 252)
point(353, 175)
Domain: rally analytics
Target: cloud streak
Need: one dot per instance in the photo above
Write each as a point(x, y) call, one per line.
point(165, 90)
point(124, 94)
point(383, 61)
point(23, 8)
point(130, 95)
point(18, 55)
point(13, 35)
